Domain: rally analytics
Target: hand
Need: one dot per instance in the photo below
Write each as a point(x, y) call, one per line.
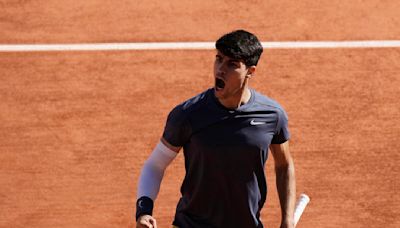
point(287, 225)
point(146, 221)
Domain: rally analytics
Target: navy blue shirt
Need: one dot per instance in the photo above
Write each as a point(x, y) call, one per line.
point(225, 152)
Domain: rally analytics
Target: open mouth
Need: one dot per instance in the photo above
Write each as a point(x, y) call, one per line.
point(219, 84)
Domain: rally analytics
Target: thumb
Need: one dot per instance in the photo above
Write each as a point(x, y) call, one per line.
point(153, 222)
point(145, 223)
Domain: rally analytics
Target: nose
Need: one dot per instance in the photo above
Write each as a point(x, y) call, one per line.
point(220, 74)
point(220, 70)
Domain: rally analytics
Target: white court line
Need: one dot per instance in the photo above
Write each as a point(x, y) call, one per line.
point(193, 45)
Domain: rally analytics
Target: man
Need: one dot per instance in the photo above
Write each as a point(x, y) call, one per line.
point(225, 133)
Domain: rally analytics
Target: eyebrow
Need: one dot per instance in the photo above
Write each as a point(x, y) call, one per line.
point(236, 61)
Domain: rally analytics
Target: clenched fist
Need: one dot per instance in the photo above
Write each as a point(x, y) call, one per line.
point(146, 221)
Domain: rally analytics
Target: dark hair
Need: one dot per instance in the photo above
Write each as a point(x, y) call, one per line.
point(240, 45)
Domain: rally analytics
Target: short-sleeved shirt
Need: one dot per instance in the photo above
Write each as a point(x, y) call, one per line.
point(225, 152)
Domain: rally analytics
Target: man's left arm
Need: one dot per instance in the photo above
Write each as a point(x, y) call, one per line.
point(285, 182)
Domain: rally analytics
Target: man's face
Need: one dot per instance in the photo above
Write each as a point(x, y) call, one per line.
point(229, 75)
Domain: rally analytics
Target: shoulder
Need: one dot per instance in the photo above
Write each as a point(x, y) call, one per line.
point(191, 105)
point(178, 127)
point(264, 102)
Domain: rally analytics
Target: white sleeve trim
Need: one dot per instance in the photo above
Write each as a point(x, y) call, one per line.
point(153, 171)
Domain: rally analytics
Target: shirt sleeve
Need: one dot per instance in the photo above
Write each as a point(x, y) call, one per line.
point(282, 133)
point(177, 128)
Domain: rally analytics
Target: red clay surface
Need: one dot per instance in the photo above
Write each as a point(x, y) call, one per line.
point(76, 127)
point(70, 21)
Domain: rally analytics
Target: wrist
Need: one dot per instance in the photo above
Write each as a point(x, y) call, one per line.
point(287, 222)
point(144, 206)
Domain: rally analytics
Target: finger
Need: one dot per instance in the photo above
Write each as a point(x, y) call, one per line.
point(153, 222)
point(145, 223)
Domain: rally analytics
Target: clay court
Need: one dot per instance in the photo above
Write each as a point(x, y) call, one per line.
point(77, 126)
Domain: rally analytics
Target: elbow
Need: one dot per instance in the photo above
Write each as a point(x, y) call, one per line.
point(152, 167)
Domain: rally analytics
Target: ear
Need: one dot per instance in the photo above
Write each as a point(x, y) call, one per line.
point(250, 71)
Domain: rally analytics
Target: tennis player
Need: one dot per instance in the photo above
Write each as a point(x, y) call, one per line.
point(225, 133)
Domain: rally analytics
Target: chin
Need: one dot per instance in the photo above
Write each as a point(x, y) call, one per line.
point(220, 94)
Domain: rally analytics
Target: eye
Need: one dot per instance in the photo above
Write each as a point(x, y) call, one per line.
point(232, 64)
point(218, 58)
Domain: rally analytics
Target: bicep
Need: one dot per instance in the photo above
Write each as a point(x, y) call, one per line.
point(177, 129)
point(281, 154)
point(171, 147)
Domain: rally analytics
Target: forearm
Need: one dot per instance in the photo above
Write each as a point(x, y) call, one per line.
point(150, 180)
point(286, 185)
point(151, 177)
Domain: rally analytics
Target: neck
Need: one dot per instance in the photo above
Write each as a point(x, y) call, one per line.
point(238, 99)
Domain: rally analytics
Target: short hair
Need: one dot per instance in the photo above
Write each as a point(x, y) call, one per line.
point(240, 45)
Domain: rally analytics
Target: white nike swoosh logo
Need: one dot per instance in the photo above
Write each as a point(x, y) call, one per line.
point(252, 122)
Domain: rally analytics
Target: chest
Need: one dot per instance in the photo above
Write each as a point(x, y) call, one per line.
point(233, 138)
point(253, 130)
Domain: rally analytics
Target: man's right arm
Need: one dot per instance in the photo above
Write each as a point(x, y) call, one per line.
point(150, 180)
point(171, 147)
